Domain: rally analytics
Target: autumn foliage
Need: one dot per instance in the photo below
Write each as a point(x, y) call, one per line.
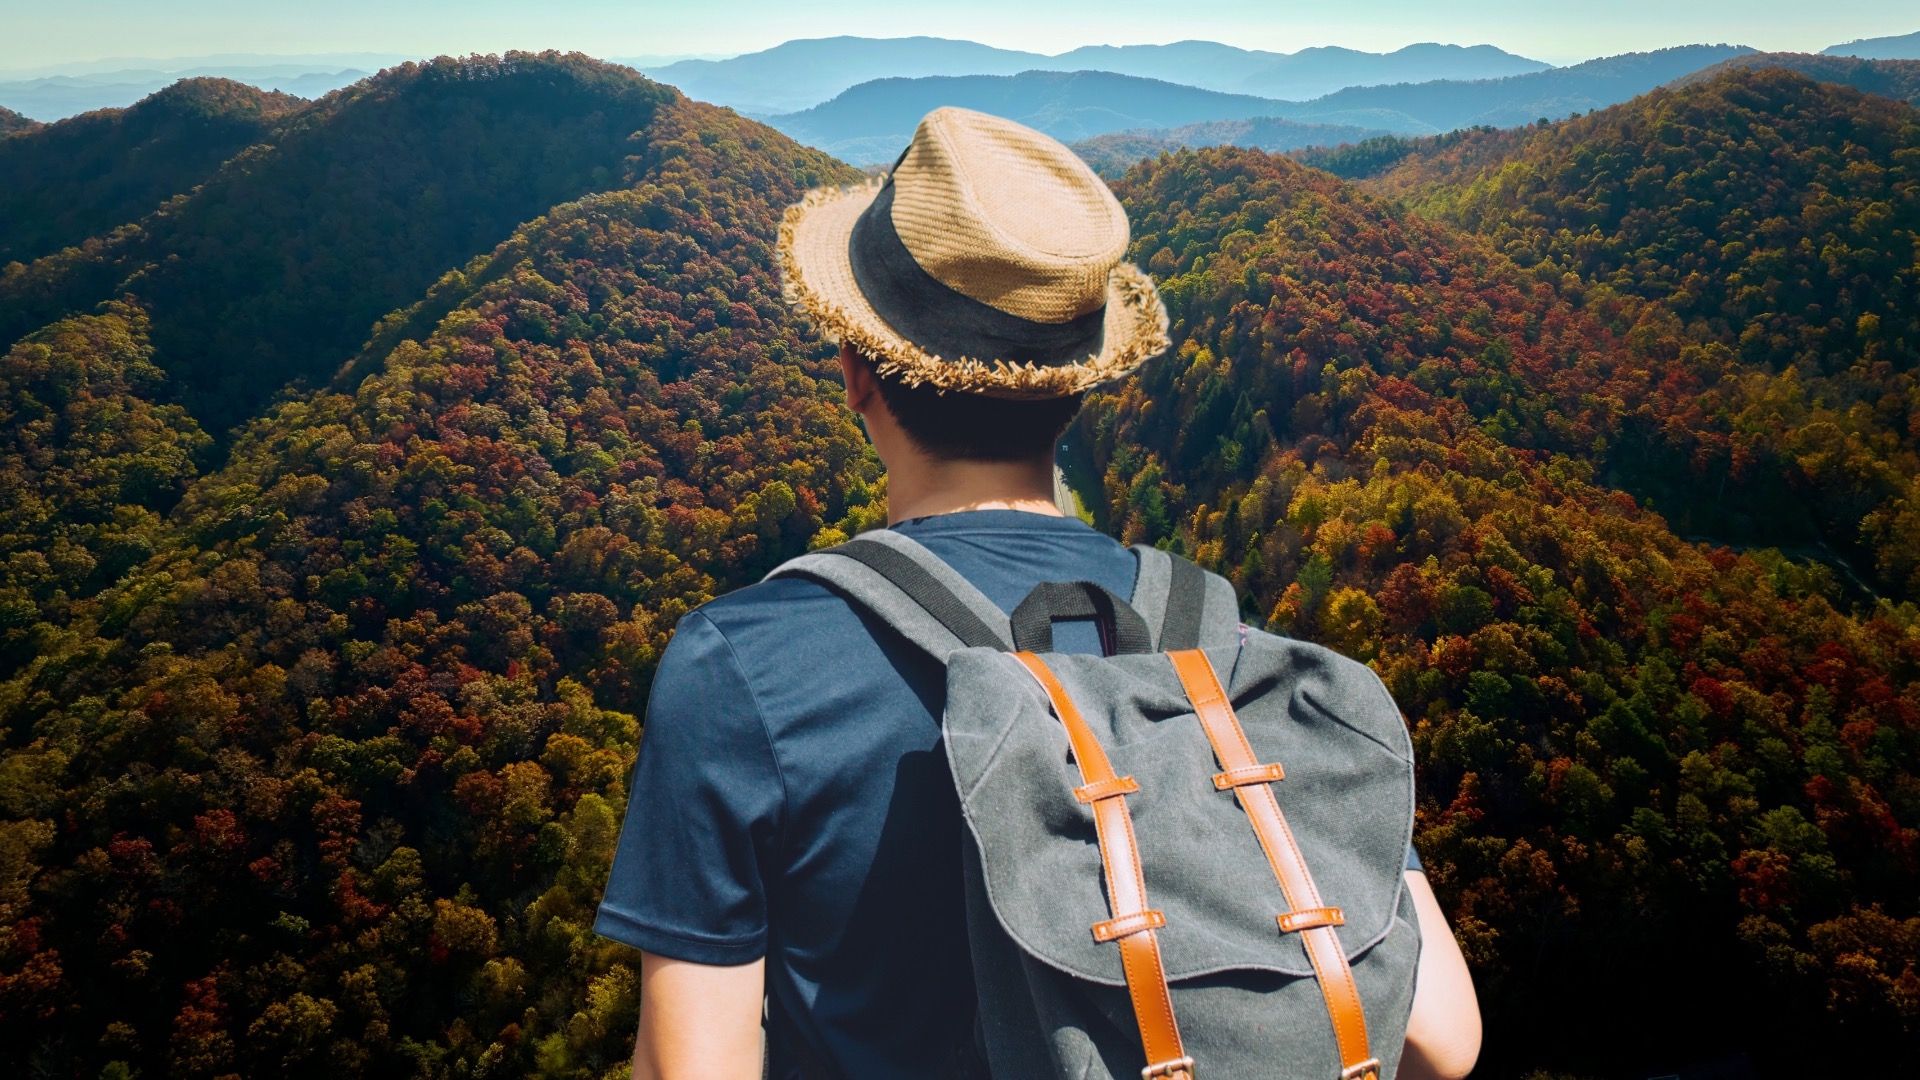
point(331, 585)
point(1637, 752)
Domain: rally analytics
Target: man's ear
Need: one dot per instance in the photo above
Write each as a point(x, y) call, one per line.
point(862, 383)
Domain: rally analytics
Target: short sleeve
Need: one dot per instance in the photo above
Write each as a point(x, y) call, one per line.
point(695, 856)
point(1413, 860)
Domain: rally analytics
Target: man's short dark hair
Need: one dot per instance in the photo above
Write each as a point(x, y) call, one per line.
point(957, 426)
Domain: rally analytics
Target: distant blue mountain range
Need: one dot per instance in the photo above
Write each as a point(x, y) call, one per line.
point(798, 74)
point(1343, 86)
point(1903, 47)
point(57, 96)
point(870, 122)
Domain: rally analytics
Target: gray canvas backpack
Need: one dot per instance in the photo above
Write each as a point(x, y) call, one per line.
point(1184, 857)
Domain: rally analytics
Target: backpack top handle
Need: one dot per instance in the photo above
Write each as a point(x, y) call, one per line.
point(911, 589)
point(1122, 630)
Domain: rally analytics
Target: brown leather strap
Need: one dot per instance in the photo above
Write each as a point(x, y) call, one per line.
point(1133, 923)
point(1309, 916)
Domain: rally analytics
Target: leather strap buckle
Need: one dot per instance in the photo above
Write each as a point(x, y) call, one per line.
point(1127, 925)
point(1310, 918)
point(1181, 1067)
point(1105, 789)
point(1251, 774)
point(1365, 1070)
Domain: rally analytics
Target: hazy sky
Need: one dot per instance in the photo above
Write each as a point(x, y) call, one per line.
point(34, 33)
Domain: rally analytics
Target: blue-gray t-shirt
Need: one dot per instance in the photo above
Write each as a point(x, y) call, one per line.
point(791, 801)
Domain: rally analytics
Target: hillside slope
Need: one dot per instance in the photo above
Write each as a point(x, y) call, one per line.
point(328, 783)
point(62, 183)
point(1465, 152)
point(12, 122)
point(1896, 79)
point(1111, 154)
point(1652, 196)
point(1775, 217)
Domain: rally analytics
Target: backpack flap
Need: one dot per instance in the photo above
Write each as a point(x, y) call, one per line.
point(1347, 796)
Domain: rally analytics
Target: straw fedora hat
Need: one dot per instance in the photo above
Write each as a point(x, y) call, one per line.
point(986, 260)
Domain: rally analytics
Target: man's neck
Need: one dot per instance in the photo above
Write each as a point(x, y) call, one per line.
point(922, 486)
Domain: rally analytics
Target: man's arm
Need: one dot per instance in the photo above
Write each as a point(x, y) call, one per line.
point(688, 882)
point(1443, 1034)
point(698, 1021)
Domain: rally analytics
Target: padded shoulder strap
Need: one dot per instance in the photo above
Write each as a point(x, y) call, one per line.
point(1187, 607)
point(909, 588)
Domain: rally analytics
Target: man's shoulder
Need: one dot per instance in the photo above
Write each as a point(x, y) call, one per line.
point(731, 646)
point(783, 600)
point(768, 622)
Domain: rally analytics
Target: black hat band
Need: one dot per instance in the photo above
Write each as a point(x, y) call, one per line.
point(948, 323)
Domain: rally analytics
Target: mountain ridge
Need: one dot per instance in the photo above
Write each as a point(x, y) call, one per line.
point(12, 122)
point(1447, 105)
point(1111, 154)
point(1898, 47)
point(68, 187)
point(233, 318)
point(1708, 200)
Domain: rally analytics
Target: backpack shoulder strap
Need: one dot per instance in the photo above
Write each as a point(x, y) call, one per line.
point(1186, 607)
point(909, 588)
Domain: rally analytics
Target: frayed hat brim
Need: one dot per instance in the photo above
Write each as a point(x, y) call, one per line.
point(817, 279)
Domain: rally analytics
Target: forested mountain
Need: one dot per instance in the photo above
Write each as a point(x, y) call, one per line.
point(1637, 754)
point(1372, 158)
point(796, 75)
point(315, 731)
point(873, 121)
point(1902, 47)
point(1896, 79)
point(65, 182)
point(1111, 154)
point(1775, 218)
point(327, 783)
point(90, 465)
point(1456, 157)
point(276, 267)
point(12, 122)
